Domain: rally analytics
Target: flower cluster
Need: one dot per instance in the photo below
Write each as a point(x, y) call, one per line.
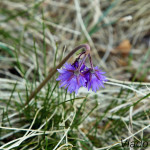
point(76, 75)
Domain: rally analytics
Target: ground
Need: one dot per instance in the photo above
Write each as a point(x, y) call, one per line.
point(35, 35)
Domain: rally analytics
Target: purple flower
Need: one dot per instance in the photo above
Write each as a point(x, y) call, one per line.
point(94, 78)
point(71, 78)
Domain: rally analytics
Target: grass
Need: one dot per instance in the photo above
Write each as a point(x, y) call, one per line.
point(34, 37)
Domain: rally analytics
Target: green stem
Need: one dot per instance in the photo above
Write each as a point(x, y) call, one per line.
point(33, 94)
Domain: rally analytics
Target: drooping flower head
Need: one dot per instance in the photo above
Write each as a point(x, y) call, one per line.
point(94, 78)
point(71, 77)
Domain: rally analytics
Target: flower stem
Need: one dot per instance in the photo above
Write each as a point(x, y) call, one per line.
point(49, 76)
point(91, 62)
point(83, 60)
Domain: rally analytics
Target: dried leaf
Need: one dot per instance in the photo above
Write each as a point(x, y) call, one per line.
point(124, 47)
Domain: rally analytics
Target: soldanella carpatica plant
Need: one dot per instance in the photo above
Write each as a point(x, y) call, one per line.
point(76, 75)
